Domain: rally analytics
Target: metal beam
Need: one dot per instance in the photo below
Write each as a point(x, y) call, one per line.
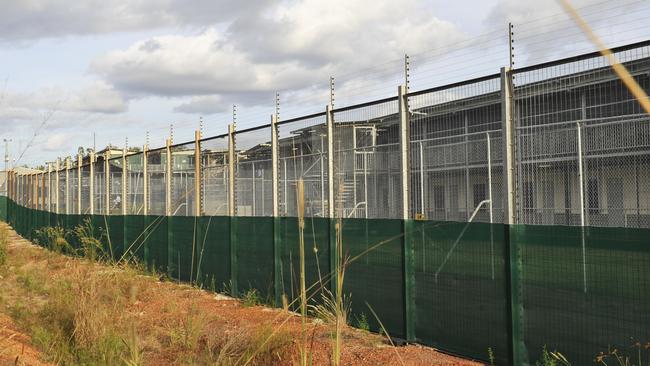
point(517, 354)
point(125, 172)
point(198, 193)
point(67, 185)
point(168, 180)
point(107, 183)
point(91, 183)
point(231, 170)
point(145, 180)
point(79, 183)
point(508, 146)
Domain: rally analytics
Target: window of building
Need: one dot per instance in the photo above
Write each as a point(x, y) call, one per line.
point(529, 195)
point(593, 199)
point(479, 193)
point(439, 197)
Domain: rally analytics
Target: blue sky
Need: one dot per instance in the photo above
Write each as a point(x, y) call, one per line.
point(121, 68)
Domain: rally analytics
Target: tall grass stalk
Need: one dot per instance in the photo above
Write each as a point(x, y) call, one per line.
point(303, 289)
point(383, 329)
point(341, 314)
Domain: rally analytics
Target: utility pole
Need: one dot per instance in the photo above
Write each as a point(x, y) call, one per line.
point(7, 141)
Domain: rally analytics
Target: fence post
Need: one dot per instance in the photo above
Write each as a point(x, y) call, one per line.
point(333, 249)
point(107, 183)
point(581, 182)
point(50, 194)
point(512, 252)
point(198, 209)
point(67, 186)
point(91, 184)
point(198, 201)
point(145, 201)
point(408, 224)
point(231, 209)
point(53, 192)
point(277, 237)
point(145, 180)
point(168, 180)
point(79, 182)
point(171, 251)
point(125, 201)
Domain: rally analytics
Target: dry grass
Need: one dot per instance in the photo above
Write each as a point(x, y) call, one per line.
point(81, 312)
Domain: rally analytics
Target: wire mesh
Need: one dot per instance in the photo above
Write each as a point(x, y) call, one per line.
point(457, 60)
point(85, 189)
point(50, 191)
point(583, 143)
point(215, 176)
point(3, 183)
point(302, 154)
point(135, 184)
point(62, 191)
point(453, 178)
point(182, 180)
point(253, 173)
point(367, 181)
point(73, 189)
point(555, 34)
point(99, 180)
point(115, 199)
point(157, 178)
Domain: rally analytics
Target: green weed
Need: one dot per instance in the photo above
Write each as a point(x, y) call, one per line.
point(3, 245)
point(90, 240)
point(54, 238)
point(251, 298)
point(362, 322)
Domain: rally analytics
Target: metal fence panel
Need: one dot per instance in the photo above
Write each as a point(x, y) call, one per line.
point(367, 168)
point(583, 144)
point(182, 180)
point(99, 194)
point(85, 189)
point(452, 130)
point(115, 199)
point(215, 176)
point(302, 153)
point(253, 173)
point(157, 178)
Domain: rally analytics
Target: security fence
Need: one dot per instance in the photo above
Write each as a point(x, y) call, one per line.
point(509, 211)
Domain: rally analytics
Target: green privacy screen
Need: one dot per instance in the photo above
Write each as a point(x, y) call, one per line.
point(155, 242)
point(134, 237)
point(460, 296)
point(182, 247)
point(581, 298)
point(317, 270)
point(374, 277)
point(3, 208)
point(213, 253)
point(582, 290)
point(254, 255)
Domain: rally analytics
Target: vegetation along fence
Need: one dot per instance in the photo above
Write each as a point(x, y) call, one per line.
point(509, 211)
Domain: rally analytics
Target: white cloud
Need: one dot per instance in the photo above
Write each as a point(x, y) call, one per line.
point(98, 98)
point(209, 104)
point(288, 46)
point(543, 31)
point(35, 19)
point(57, 142)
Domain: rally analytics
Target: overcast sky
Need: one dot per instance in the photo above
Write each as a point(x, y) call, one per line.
point(119, 68)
